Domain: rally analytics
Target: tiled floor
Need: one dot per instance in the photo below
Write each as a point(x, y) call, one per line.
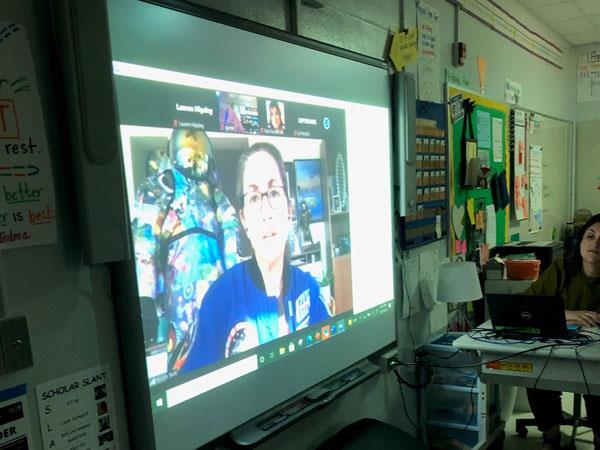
point(533, 441)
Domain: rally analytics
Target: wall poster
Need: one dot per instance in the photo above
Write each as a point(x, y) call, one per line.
point(27, 204)
point(588, 74)
point(428, 64)
point(521, 179)
point(78, 411)
point(535, 189)
point(15, 431)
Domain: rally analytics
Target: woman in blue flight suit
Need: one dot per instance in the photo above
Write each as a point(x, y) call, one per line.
point(264, 297)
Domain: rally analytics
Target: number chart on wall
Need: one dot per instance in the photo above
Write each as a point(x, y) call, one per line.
point(429, 223)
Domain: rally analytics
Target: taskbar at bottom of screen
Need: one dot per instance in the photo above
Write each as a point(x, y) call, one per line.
point(266, 354)
point(317, 334)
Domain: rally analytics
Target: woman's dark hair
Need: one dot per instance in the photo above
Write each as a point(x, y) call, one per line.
point(239, 190)
point(574, 261)
point(273, 105)
point(241, 167)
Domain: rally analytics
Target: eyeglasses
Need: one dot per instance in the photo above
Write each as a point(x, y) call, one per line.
point(275, 197)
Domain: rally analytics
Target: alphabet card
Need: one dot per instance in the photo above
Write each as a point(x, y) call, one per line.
point(27, 202)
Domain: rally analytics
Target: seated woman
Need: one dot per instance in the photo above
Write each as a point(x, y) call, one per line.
point(264, 297)
point(577, 279)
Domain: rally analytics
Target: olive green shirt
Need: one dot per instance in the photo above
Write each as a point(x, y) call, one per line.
point(581, 293)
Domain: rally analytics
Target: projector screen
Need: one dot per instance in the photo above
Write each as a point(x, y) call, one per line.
point(259, 185)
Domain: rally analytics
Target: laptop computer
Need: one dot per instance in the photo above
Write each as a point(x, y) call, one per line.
point(521, 316)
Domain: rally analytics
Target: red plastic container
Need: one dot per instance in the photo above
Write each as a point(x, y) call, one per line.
point(522, 269)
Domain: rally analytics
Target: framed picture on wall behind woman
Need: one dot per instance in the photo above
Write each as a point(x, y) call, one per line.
point(309, 191)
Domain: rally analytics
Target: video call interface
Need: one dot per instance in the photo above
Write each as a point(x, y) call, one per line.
point(240, 217)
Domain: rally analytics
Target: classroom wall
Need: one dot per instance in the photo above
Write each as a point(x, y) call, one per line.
point(588, 145)
point(587, 111)
point(68, 305)
point(588, 165)
point(554, 137)
point(546, 89)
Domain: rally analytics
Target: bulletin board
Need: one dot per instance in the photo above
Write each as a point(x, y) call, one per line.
point(493, 112)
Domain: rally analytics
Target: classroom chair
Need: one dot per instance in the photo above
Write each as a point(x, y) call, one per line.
point(574, 419)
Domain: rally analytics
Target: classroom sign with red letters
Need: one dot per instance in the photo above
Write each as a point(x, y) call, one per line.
point(27, 201)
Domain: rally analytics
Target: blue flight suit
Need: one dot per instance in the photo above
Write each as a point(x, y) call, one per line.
point(237, 314)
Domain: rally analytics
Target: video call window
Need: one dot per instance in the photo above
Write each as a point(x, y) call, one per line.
point(238, 113)
point(178, 205)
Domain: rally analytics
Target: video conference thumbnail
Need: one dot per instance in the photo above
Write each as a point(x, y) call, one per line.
point(275, 112)
point(238, 113)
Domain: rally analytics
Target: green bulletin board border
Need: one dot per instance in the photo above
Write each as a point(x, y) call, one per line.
point(458, 194)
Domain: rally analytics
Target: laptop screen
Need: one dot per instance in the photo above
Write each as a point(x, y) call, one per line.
point(530, 315)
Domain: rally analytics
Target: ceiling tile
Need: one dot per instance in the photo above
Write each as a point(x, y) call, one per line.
point(589, 6)
point(596, 20)
point(579, 25)
point(531, 4)
point(582, 38)
point(558, 12)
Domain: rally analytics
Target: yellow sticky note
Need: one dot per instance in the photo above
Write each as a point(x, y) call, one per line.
point(403, 50)
point(471, 210)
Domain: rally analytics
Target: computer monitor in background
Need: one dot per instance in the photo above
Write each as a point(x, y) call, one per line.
point(193, 97)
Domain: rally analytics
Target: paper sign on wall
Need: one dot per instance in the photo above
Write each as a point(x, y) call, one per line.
point(512, 92)
point(490, 229)
point(483, 129)
point(536, 220)
point(78, 411)
point(497, 139)
point(410, 298)
point(588, 75)
point(403, 50)
point(428, 64)
point(521, 178)
point(27, 204)
point(14, 419)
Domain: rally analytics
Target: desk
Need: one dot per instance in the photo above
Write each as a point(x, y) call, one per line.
point(554, 368)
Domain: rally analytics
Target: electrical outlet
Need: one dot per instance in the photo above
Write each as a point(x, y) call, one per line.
point(388, 361)
point(14, 345)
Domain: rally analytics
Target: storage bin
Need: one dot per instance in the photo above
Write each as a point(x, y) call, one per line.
point(519, 269)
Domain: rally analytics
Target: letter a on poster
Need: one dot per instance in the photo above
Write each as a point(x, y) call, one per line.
point(27, 204)
point(78, 411)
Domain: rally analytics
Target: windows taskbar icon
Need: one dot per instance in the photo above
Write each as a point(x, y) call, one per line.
point(323, 333)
